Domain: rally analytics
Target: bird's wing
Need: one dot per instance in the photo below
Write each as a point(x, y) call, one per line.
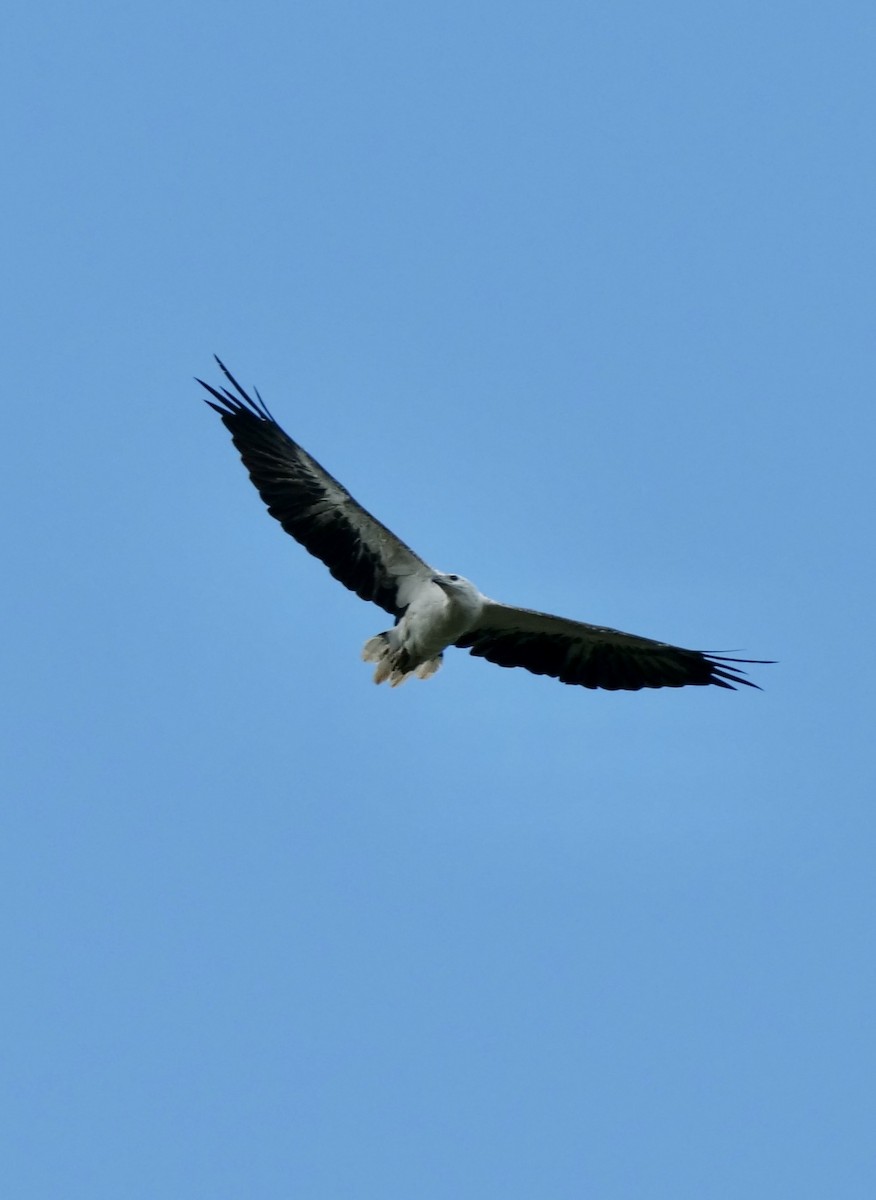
point(314, 508)
point(591, 656)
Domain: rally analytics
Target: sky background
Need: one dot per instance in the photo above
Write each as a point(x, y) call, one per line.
point(579, 299)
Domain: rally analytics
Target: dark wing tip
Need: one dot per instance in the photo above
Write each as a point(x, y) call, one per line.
point(231, 404)
point(727, 672)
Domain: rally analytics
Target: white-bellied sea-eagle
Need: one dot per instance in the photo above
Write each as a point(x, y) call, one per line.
point(433, 610)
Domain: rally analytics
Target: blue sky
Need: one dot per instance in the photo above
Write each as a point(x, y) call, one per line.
point(579, 300)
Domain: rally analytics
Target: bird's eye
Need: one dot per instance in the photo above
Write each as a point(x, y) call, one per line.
point(453, 578)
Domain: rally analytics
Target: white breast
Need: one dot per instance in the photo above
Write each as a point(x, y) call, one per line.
point(435, 620)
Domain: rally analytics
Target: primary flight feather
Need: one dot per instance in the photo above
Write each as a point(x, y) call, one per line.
point(433, 610)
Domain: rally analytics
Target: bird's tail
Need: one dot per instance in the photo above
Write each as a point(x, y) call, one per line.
point(395, 663)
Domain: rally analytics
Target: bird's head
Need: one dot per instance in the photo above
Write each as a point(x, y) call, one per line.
point(455, 586)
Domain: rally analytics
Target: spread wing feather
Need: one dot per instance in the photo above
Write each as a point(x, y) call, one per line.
point(591, 656)
point(314, 508)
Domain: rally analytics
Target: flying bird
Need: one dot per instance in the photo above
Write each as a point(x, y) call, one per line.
point(433, 610)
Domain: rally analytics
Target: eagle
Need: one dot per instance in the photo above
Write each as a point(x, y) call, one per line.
point(433, 610)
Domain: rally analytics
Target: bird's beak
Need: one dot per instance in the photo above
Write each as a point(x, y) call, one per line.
point(441, 582)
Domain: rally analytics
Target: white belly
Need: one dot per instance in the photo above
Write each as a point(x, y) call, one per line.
point(432, 622)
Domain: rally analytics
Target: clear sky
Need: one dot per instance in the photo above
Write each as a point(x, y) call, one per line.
point(578, 298)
